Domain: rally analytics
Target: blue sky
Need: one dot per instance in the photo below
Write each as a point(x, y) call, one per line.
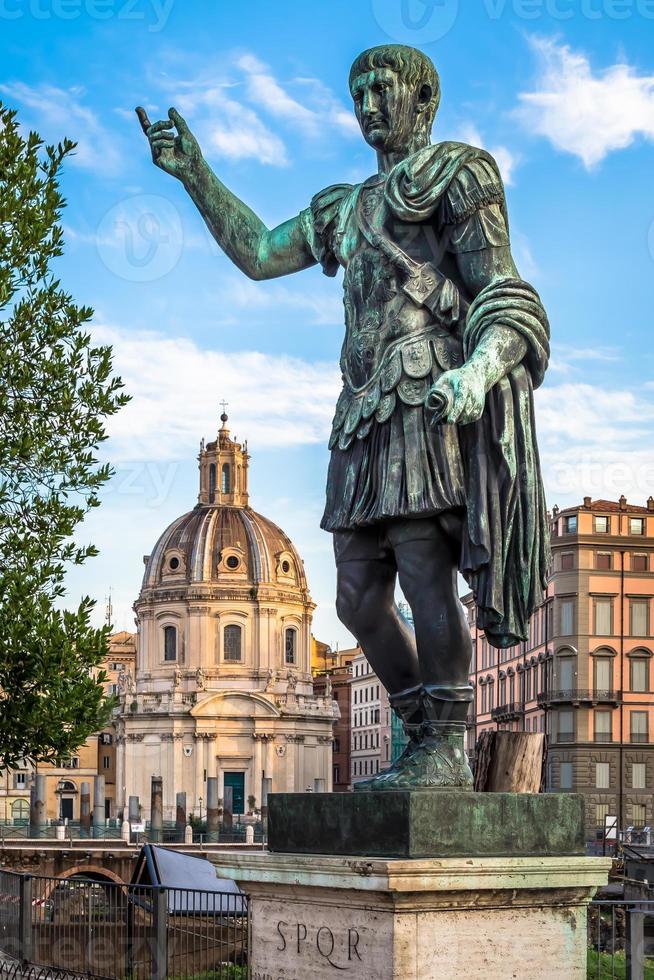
point(561, 91)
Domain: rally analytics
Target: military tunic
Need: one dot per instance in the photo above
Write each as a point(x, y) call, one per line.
point(387, 459)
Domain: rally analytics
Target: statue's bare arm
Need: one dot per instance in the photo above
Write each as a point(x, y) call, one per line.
point(259, 252)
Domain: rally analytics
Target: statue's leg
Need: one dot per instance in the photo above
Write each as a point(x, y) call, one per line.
point(365, 603)
point(426, 559)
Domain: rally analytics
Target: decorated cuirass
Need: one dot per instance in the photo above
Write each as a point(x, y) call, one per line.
point(395, 346)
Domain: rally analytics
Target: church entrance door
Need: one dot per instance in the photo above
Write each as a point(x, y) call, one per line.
point(237, 781)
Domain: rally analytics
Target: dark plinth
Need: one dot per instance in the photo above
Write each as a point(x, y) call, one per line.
point(419, 824)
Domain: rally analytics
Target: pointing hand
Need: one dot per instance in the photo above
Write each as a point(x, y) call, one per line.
point(178, 154)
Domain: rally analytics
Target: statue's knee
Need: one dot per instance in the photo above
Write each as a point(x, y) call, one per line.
point(360, 610)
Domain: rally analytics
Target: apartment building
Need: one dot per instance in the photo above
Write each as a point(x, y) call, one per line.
point(584, 675)
point(336, 680)
point(370, 747)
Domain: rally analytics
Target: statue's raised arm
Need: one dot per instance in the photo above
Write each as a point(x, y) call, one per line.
point(259, 252)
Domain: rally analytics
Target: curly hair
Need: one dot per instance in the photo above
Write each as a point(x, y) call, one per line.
point(412, 66)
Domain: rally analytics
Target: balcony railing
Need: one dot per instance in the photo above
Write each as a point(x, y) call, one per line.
point(507, 712)
point(575, 696)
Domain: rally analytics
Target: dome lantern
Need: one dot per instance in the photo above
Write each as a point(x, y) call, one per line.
point(223, 470)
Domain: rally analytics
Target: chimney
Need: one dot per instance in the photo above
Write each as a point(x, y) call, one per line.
point(650, 503)
point(587, 502)
point(623, 502)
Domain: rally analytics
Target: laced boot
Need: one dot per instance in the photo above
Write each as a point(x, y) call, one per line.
point(408, 705)
point(438, 761)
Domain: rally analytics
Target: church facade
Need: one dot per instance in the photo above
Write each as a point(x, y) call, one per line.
point(223, 683)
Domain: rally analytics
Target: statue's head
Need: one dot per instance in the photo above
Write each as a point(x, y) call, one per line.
point(396, 91)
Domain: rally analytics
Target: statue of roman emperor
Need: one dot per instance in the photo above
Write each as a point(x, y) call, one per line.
point(434, 466)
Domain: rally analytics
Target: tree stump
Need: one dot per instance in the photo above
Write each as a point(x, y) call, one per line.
point(510, 762)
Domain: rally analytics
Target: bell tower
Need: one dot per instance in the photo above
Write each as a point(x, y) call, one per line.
point(223, 470)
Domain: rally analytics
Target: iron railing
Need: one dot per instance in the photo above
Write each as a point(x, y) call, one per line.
point(565, 696)
point(236, 834)
point(620, 940)
point(100, 929)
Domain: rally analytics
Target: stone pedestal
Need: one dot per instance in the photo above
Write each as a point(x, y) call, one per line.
point(482, 918)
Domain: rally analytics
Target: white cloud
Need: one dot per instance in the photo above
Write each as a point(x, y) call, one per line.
point(263, 89)
point(176, 385)
point(57, 113)
point(585, 113)
point(506, 159)
point(323, 305)
point(595, 441)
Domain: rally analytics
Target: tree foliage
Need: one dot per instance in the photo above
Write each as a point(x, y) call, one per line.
point(56, 391)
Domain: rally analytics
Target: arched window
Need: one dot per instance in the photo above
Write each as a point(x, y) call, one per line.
point(212, 483)
point(290, 644)
point(232, 643)
point(20, 811)
point(226, 483)
point(170, 643)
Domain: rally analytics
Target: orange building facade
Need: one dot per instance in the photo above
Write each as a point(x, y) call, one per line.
point(584, 677)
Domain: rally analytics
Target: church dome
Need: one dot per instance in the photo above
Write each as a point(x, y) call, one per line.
point(222, 540)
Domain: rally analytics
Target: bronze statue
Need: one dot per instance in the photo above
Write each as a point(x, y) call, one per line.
point(434, 466)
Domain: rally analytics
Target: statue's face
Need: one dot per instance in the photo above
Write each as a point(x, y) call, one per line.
point(385, 107)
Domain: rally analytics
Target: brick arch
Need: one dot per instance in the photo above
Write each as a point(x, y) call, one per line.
point(96, 869)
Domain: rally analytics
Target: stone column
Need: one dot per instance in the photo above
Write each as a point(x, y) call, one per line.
point(213, 817)
point(256, 762)
point(180, 815)
point(37, 806)
point(156, 808)
point(134, 809)
point(198, 749)
point(85, 810)
point(99, 821)
point(120, 774)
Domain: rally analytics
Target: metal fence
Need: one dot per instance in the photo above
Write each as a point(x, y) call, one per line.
point(90, 928)
point(621, 940)
point(169, 834)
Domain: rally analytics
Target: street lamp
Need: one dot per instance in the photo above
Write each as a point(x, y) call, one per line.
point(200, 804)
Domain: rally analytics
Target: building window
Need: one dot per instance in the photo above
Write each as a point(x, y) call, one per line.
point(232, 643)
point(637, 525)
point(20, 811)
point(639, 563)
point(565, 776)
point(566, 726)
point(566, 674)
point(567, 617)
point(212, 483)
point(603, 560)
point(639, 675)
point(602, 525)
point(570, 524)
point(602, 722)
point(170, 643)
point(603, 615)
point(20, 780)
point(225, 479)
point(290, 643)
point(601, 813)
point(638, 814)
point(639, 726)
point(567, 561)
point(603, 674)
point(638, 775)
point(336, 775)
point(602, 775)
point(639, 617)
point(106, 762)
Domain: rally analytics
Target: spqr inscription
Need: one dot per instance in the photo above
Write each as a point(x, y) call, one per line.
point(339, 948)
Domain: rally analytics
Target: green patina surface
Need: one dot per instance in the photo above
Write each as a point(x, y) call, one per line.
point(424, 824)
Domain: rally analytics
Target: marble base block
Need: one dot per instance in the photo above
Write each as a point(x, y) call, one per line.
point(480, 918)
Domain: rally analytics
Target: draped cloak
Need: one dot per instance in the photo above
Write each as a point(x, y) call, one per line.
point(492, 467)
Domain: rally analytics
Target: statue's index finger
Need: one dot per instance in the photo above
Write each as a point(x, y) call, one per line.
point(143, 119)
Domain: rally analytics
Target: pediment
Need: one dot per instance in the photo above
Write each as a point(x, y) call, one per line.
point(235, 704)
